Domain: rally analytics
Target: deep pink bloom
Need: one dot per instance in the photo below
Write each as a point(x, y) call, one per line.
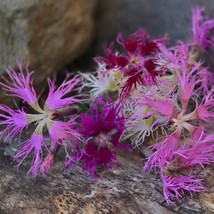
point(20, 85)
point(175, 187)
point(201, 30)
point(196, 150)
point(137, 64)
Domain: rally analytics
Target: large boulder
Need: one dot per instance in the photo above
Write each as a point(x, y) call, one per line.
point(155, 16)
point(44, 33)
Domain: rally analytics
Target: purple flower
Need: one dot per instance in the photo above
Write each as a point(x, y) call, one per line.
point(198, 150)
point(101, 127)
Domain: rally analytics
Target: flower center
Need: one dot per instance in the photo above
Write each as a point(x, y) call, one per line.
point(103, 140)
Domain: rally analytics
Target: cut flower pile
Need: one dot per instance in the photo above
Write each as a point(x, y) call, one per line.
point(146, 90)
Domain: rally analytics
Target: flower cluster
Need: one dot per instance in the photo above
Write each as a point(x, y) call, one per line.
point(145, 91)
point(124, 72)
point(165, 93)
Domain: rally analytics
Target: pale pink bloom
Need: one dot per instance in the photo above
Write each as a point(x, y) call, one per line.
point(163, 107)
point(99, 85)
point(137, 129)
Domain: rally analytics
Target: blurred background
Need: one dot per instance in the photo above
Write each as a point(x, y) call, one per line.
point(54, 36)
point(157, 17)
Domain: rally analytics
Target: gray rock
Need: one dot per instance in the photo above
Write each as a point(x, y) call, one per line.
point(44, 33)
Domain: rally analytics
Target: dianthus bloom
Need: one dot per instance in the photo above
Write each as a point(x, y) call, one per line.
point(101, 128)
point(123, 72)
point(201, 30)
point(19, 84)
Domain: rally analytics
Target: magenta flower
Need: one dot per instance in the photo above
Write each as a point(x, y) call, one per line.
point(15, 122)
point(175, 187)
point(56, 105)
point(187, 83)
point(166, 107)
point(19, 85)
point(205, 111)
point(101, 127)
point(60, 131)
point(34, 144)
point(163, 152)
point(138, 64)
point(56, 96)
point(198, 151)
point(201, 30)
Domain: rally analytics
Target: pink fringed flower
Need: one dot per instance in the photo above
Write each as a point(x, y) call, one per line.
point(14, 120)
point(205, 111)
point(34, 144)
point(56, 96)
point(56, 105)
point(163, 152)
point(201, 30)
point(175, 187)
point(60, 131)
point(198, 151)
point(20, 85)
